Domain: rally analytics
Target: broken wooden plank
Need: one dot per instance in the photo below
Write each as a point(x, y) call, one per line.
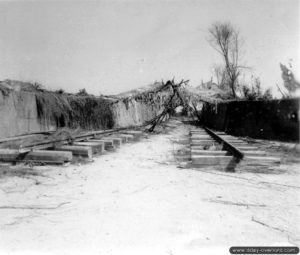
point(82, 151)
point(12, 155)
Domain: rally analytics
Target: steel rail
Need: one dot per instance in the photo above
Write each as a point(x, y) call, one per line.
point(228, 146)
point(52, 143)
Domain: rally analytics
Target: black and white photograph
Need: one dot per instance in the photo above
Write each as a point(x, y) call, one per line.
point(162, 127)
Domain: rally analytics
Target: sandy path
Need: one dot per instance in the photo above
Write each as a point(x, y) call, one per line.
point(140, 200)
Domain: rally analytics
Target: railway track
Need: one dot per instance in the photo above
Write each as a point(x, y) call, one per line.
point(226, 152)
point(51, 150)
point(207, 148)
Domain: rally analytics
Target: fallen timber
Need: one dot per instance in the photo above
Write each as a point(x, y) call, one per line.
point(221, 151)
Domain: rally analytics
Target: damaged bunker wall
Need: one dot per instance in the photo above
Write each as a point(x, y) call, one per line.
point(24, 112)
point(138, 109)
point(274, 119)
point(18, 114)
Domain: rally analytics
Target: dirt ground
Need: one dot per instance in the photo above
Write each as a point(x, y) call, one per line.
point(143, 199)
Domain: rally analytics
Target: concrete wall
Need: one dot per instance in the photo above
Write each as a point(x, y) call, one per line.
point(274, 119)
point(137, 111)
point(18, 113)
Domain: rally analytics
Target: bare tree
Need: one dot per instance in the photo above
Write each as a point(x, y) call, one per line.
point(221, 76)
point(225, 39)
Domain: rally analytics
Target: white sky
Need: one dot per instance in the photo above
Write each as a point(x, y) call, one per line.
point(113, 46)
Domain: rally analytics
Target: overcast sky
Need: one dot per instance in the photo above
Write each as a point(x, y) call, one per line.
point(113, 46)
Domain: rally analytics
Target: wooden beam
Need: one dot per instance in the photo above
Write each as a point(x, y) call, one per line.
point(247, 148)
point(203, 140)
point(255, 153)
point(97, 147)
point(211, 160)
point(195, 152)
point(10, 155)
point(137, 133)
point(128, 137)
point(108, 144)
point(82, 151)
point(201, 137)
point(199, 151)
point(123, 138)
point(116, 141)
point(256, 160)
point(50, 143)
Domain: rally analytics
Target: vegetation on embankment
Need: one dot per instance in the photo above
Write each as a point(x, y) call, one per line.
point(49, 110)
point(86, 112)
point(62, 109)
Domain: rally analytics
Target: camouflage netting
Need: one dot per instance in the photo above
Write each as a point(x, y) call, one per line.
point(86, 112)
point(63, 109)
